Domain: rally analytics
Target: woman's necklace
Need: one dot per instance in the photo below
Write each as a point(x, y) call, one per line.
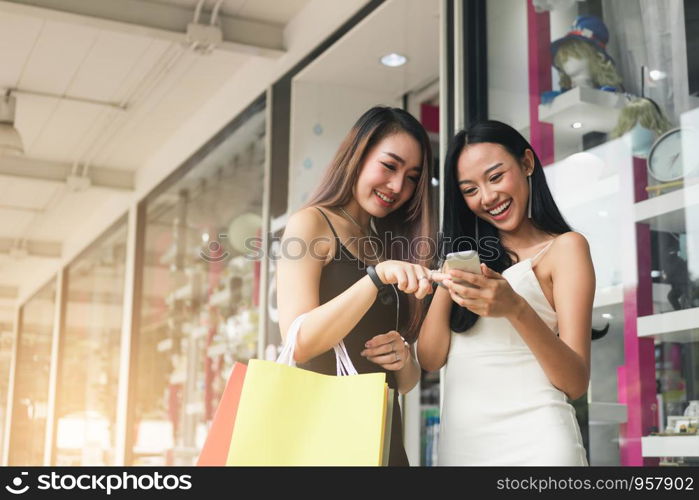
point(352, 219)
point(372, 243)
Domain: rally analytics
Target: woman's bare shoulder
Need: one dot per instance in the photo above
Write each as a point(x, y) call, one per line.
point(306, 222)
point(309, 225)
point(570, 251)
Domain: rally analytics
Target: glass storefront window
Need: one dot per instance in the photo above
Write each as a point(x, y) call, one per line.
point(89, 354)
point(608, 97)
point(31, 391)
point(199, 312)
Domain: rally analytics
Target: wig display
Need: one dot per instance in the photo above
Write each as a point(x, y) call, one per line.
point(644, 112)
point(585, 45)
point(645, 120)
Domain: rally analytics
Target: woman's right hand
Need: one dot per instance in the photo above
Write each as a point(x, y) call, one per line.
point(410, 278)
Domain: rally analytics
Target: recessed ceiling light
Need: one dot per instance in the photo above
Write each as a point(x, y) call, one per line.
point(393, 60)
point(576, 125)
point(435, 181)
point(607, 316)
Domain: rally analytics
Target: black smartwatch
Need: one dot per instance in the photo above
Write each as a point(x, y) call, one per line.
point(375, 278)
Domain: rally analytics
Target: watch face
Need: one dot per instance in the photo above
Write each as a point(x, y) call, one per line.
point(668, 160)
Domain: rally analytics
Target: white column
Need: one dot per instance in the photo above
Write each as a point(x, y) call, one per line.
point(443, 103)
point(459, 97)
point(11, 389)
point(126, 334)
point(58, 310)
point(264, 264)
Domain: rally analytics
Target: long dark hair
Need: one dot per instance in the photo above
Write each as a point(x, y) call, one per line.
point(460, 222)
point(412, 220)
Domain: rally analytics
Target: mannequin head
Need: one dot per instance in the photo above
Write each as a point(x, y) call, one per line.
point(582, 65)
point(581, 57)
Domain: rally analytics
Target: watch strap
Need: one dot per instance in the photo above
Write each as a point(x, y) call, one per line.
point(375, 277)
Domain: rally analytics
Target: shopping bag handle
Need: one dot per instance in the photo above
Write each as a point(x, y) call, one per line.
point(343, 362)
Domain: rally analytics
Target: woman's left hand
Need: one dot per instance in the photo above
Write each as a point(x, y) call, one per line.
point(388, 350)
point(491, 294)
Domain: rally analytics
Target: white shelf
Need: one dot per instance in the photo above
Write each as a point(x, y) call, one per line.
point(609, 296)
point(670, 446)
point(666, 211)
point(597, 111)
point(675, 326)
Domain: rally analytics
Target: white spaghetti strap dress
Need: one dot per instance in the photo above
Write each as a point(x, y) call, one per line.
point(499, 408)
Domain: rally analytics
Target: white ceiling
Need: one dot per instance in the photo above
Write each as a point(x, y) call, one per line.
point(408, 27)
point(63, 49)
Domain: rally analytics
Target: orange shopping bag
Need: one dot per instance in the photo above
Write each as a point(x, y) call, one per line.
point(215, 450)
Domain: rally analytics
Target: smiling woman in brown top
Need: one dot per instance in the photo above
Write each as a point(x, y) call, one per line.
point(377, 185)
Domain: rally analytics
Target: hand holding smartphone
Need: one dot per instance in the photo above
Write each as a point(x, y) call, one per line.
point(467, 261)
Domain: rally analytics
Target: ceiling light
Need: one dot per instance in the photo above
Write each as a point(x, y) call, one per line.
point(393, 60)
point(607, 316)
point(656, 74)
point(576, 125)
point(655, 273)
point(10, 141)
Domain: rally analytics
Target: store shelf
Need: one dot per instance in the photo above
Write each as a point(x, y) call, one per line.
point(609, 296)
point(675, 326)
point(597, 110)
point(666, 212)
point(670, 446)
point(607, 413)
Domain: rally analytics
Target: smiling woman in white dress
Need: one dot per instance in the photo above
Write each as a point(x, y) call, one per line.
point(516, 343)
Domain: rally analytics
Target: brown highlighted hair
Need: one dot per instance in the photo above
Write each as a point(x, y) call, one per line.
point(412, 220)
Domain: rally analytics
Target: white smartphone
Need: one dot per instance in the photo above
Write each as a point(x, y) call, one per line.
point(463, 261)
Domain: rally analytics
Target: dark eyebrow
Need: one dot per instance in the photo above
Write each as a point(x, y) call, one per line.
point(488, 170)
point(395, 157)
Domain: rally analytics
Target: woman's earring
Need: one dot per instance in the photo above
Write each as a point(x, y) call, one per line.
point(529, 203)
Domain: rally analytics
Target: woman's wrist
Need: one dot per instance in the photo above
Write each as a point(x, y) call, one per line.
point(518, 311)
point(370, 286)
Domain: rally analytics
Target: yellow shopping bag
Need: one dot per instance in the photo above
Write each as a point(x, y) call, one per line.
point(290, 416)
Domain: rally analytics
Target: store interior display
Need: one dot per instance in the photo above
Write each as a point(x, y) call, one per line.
point(669, 258)
point(585, 107)
point(644, 119)
point(678, 405)
point(203, 314)
point(581, 59)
